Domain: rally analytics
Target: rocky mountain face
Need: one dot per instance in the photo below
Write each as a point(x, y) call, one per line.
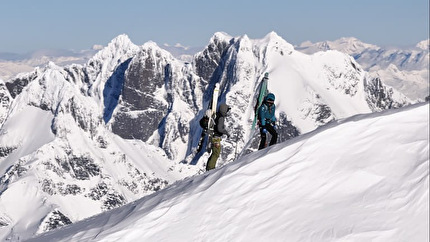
point(125, 124)
point(5, 100)
point(64, 150)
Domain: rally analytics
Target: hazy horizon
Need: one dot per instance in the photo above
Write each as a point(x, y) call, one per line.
point(28, 26)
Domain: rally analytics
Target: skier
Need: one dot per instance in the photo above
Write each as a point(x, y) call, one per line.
point(259, 101)
point(219, 130)
point(267, 120)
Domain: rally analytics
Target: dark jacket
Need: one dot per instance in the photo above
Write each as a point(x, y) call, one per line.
point(219, 129)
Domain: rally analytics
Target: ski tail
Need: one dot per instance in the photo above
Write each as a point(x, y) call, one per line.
point(212, 113)
point(201, 141)
point(215, 98)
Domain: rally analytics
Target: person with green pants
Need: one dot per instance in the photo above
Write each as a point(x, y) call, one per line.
point(219, 131)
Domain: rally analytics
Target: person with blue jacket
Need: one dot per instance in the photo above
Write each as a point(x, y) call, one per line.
point(267, 120)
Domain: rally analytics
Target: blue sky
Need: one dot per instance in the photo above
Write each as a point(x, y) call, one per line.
point(29, 25)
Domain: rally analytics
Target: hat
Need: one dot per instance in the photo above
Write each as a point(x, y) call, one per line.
point(270, 96)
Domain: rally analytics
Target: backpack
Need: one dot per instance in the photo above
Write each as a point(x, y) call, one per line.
point(204, 122)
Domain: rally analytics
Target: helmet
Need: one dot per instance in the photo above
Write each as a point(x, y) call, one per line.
point(270, 96)
point(223, 109)
point(266, 74)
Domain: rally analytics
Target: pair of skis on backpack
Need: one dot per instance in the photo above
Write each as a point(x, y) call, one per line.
point(207, 122)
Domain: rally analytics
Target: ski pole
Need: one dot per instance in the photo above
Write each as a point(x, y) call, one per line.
point(235, 150)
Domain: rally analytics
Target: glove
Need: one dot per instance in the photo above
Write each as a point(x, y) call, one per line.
point(274, 126)
point(264, 131)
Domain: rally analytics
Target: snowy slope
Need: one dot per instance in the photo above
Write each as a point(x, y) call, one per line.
point(365, 178)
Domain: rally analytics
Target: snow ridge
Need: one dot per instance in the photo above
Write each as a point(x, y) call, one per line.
point(361, 183)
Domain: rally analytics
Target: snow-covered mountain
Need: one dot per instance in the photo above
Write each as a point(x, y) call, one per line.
point(125, 124)
point(311, 90)
point(350, 46)
point(5, 100)
point(60, 162)
point(405, 69)
point(365, 178)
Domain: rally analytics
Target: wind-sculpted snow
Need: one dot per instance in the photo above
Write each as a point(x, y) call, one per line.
point(365, 178)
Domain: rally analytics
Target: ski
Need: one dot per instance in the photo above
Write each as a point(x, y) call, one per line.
point(213, 107)
point(201, 141)
point(262, 93)
point(210, 115)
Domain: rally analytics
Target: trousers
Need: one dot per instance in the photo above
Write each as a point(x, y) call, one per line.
point(272, 132)
point(216, 150)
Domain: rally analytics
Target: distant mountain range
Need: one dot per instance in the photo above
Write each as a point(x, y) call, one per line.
point(406, 69)
point(80, 139)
